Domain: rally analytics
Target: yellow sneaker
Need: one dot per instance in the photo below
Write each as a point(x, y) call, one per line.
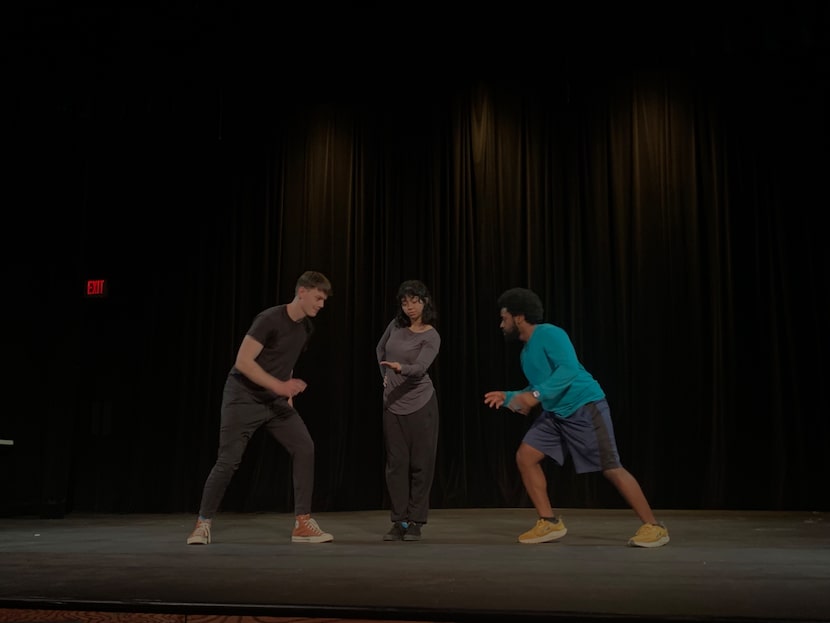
point(544, 531)
point(650, 535)
point(306, 530)
point(200, 534)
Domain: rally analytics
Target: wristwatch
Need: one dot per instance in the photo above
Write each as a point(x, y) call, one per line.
point(536, 394)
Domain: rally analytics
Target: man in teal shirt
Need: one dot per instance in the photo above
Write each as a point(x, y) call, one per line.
point(575, 420)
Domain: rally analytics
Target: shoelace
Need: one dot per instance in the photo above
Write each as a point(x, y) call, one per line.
point(311, 523)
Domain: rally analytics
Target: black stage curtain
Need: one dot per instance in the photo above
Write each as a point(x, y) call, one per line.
point(670, 215)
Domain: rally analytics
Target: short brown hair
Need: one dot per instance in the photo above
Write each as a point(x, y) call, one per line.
point(311, 279)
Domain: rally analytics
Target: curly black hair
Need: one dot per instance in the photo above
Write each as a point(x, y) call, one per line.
point(524, 302)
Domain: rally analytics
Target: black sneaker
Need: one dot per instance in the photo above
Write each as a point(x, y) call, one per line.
point(396, 533)
point(413, 532)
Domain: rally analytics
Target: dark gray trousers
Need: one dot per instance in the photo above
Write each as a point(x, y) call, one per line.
point(241, 417)
point(411, 445)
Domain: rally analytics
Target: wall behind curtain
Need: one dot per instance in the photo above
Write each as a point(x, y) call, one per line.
point(668, 217)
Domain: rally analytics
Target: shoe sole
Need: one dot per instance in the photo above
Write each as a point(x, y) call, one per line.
point(658, 543)
point(409, 537)
point(386, 537)
point(198, 540)
point(312, 539)
point(550, 536)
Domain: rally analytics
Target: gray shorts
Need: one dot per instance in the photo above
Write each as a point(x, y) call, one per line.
point(587, 436)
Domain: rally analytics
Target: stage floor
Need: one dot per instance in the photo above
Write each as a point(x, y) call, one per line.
point(720, 565)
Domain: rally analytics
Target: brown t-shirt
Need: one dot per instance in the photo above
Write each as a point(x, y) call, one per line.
point(283, 341)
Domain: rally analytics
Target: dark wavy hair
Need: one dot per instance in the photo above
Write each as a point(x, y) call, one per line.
point(522, 302)
point(415, 288)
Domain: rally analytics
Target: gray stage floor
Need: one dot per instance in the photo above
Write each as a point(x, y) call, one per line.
point(756, 566)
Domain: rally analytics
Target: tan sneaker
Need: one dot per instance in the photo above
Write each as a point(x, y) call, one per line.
point(650, 535)
point(306, 530)
point(544, 531)
point(200, 534)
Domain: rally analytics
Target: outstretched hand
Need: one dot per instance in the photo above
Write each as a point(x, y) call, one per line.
point(520, 403)
point(494, 399)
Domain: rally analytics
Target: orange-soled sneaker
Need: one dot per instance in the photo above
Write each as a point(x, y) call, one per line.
point(200, 534)
point(306, 530)
point(650, 535)
point(544, 531)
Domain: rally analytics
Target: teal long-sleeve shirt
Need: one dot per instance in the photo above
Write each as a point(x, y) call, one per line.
point(550, 365)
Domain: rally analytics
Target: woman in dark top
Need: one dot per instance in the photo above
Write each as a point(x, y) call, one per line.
point(405, 352)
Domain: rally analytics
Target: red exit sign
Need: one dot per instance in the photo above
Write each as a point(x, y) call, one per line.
point(96, 288)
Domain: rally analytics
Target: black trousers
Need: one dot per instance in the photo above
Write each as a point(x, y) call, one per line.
point(241, 417)
point(411, 446)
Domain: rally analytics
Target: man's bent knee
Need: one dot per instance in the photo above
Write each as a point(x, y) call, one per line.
point(528, 456)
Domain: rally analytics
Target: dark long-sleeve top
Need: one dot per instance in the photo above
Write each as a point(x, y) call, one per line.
point(411, 389)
